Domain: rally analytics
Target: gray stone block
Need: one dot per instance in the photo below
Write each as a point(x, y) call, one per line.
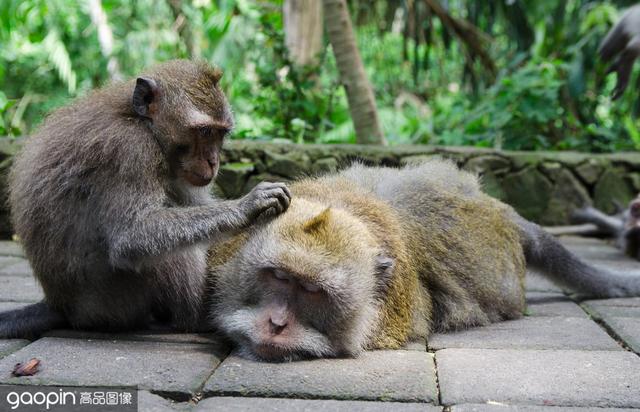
point(10, 248)
point(8, 346)
point(20, 267)
point(176, 369)
point(416, 345)
point(5, 306)
point(539, 377)
point(407, 376)
point(149, 402)
point(497, 407)
point(535, 282)
point(19, 289)
point(530, 333)
point(8, 261)
point(624, 302)
point(600, 253)
point(277, 405)
point(142, 336)
point(618, 311)
point(552, 304)
point(601, 310)
point(627, 329)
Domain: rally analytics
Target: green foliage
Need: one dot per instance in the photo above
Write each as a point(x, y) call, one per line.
point(551, 91)
point(521, 110)
point(7, 121)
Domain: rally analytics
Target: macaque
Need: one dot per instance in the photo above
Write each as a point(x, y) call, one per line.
point(111, 201)
point(624, 227)
point(371, 258)
point(622, 43)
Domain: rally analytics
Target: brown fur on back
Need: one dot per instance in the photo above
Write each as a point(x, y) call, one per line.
point(458, 259)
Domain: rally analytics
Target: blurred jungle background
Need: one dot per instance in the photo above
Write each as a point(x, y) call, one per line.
point(510, 74)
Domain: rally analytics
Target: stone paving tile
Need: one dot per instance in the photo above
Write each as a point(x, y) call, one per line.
point(628, 302)
point(149, 402)
point(539, 377)
point(9, 248)
point(416, 345)
point(535, 282)
point(175, 369)
point(141, 336)
point(8, 346)
point(600, 253)
point(600, 311)
point(621, 316)
point(5, 306)
point(9, 260)
point(552, 304)
point(495, 407)
point(20, 267)
point(19, 289)
point(277, 405)
point(627, 329)
point(407, 376)
point(530, 333)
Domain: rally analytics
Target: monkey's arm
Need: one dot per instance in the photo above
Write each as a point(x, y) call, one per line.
point(158, 229)
point(608, 224)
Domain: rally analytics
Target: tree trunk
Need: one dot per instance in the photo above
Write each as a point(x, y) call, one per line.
point(362, 104)
point(184, 29)
point(470, 35)
point(105, 37)
point(303, 30)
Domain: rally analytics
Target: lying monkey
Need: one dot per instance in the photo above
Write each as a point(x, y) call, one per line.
point(370, 258)
point(624, 227)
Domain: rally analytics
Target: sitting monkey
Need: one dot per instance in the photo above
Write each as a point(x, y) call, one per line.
point(624, 227)
point(111, 200)
point(370, 258)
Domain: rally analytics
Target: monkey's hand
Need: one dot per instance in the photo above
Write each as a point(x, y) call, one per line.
point(266, 199)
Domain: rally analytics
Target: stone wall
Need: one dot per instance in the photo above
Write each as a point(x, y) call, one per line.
point(542, 186)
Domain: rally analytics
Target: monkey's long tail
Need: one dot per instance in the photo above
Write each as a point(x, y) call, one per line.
point(29, 322)
point(545, 253)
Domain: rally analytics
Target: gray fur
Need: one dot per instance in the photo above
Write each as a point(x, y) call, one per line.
point(111, 225)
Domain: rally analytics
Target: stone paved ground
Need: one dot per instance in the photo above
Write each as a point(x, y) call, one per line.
point(564, 356)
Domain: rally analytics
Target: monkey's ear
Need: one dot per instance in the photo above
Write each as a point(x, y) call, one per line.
point(144, 95)
point(318, 221)
point(384, 272)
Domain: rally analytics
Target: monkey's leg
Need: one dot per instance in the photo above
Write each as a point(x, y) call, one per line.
point(115, 301)
point(546, 253)
point(181, 278)
point(610, 225)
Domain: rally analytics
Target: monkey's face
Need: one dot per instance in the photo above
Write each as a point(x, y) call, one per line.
point(197, 135)
point(189, 116)
point(196, 159)
point(297, 291)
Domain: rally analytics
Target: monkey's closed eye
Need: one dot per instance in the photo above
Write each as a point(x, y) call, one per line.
point(310, 287)
point(280, 275)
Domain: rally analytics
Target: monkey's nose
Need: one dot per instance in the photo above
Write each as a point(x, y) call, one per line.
point(277, 326)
